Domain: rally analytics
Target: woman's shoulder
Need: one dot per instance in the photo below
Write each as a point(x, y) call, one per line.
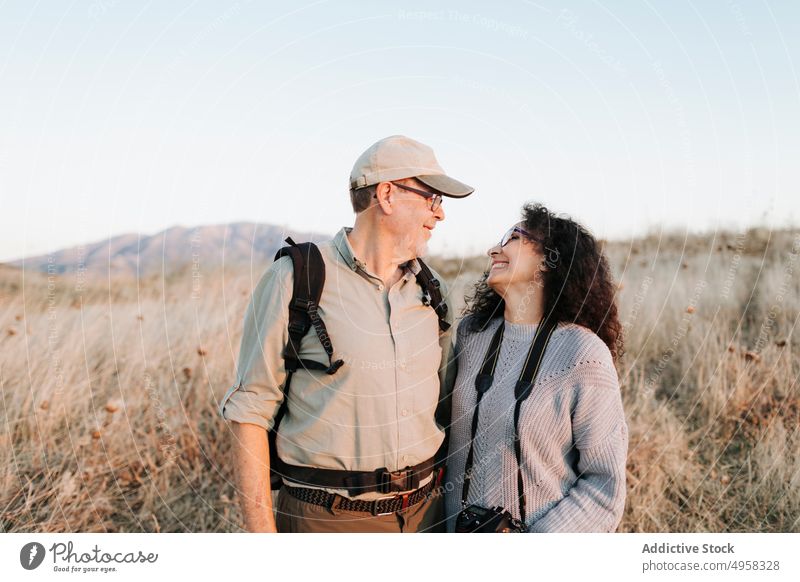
point(473, 335)
point(471, 324)
point(570, 346)
point(579, 348)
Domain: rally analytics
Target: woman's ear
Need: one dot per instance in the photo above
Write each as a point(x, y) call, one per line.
point(551, 258)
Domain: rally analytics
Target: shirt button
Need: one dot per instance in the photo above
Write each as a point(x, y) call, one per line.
point(404, 412)
point(405, 458)
point(380, 287)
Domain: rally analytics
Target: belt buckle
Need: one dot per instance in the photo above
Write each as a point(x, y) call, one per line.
point(374, 509)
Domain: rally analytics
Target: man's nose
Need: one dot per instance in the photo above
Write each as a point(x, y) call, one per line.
point(439, 213)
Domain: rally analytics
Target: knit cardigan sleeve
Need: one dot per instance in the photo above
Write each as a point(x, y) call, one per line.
point(596, 500)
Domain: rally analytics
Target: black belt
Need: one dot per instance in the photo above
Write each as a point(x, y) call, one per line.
point(357, 482)
point(376, 507)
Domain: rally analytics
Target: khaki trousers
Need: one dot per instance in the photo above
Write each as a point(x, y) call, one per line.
point(295, 516)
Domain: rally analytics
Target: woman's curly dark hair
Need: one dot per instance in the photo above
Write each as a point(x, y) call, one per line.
point(578, 285)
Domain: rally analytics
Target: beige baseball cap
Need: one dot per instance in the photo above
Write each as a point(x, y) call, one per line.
point(397, 157)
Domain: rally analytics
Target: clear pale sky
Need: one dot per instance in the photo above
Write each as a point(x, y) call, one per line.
point(119, 116)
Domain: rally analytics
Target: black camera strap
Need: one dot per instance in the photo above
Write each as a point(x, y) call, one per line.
point(522, 389)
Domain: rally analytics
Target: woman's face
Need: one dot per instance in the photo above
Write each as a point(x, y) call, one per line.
point(517, 262)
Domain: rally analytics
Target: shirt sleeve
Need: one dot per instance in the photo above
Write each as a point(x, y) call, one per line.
point(596, 501)
point(258, 391)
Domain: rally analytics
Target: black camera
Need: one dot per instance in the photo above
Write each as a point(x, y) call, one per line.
point(477, 519)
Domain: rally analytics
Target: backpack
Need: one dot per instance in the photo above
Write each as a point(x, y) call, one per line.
point(309, 281)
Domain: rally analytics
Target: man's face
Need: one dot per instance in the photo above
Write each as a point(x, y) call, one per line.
point(414, 220)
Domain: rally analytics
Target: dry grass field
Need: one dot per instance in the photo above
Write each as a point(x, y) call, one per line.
point(108, 420)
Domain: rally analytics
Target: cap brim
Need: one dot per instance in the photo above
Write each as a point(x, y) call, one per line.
point(446, 185)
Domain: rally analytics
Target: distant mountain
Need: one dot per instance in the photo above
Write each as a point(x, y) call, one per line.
point(171, 250)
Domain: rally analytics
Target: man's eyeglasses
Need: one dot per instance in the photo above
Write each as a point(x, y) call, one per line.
point(509, 235)
point(435, 199)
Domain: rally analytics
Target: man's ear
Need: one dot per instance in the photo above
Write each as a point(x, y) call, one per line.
point(385, 198)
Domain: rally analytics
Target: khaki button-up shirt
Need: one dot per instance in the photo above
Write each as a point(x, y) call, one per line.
point(378, 409)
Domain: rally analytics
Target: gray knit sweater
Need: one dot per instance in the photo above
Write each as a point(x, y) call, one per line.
point(574, 436)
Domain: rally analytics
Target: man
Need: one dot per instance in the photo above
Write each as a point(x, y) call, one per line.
point(372, 422)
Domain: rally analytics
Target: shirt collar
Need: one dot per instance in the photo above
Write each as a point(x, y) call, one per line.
point(346, 252)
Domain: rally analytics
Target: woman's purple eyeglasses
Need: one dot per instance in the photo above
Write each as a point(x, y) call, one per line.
point(511, 232)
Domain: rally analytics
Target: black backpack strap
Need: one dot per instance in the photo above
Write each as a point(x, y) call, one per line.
point(309, 281)
point(432, 293)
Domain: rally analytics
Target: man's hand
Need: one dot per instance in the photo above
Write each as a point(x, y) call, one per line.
point(251, 465)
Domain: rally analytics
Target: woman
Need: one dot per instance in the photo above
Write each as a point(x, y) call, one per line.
point(573, 438)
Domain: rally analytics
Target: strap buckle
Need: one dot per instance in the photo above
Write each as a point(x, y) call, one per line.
point(397, 481)
point(334, 366)
point(296, 329)
point(300, 304)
